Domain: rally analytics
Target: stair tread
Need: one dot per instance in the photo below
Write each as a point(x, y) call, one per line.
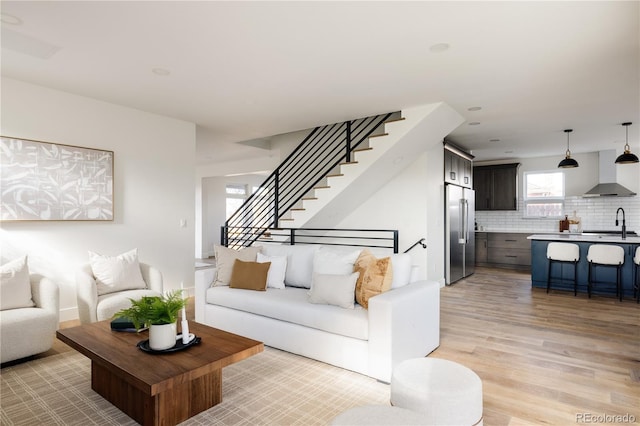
point(335, 175)
point(310, 198)
point(322, 187)
point(297, 210)
point(286, 219)
point(350, 162)
point(362, 149)
point(377, 136)
point(394, 120)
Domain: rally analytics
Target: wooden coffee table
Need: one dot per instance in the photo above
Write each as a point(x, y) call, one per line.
point(158, 389)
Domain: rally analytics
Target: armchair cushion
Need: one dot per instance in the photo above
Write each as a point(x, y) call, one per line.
point(93, 307)
point(15, 288)
point(119, 273)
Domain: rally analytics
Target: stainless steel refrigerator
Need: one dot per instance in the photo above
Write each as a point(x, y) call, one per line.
point(460, 250)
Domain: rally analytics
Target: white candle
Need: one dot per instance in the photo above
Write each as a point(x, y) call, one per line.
point(184, 324)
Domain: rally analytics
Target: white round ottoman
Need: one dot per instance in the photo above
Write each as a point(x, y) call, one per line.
point(383, 415)
point(445, 392)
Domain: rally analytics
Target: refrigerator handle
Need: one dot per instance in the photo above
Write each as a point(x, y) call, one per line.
point(465, 220)
point(462, 219)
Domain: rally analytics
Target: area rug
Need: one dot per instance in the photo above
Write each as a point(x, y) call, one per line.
point(272, 388)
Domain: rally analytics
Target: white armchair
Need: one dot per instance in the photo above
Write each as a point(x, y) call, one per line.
point(30, 331)
point(93, 307)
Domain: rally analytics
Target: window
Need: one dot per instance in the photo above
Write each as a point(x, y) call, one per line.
point(236, 194)
point(544, 194)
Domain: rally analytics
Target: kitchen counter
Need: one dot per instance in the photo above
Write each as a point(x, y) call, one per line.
point(592, 238)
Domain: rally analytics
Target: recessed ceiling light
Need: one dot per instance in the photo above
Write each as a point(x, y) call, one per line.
point(474, 109)
point(494, 140)
point(474, 123)
point(439, 47)
point(161, 72)
point(5, 18)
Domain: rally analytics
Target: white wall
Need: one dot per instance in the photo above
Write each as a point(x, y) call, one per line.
point(154, 164)
point(411, 203)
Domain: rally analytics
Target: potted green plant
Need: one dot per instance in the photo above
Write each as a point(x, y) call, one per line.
point(160, 314)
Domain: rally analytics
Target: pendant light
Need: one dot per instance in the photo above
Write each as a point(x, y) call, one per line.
point(568, 162)
point(627, 157)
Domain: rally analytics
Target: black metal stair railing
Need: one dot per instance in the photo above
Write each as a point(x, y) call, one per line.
point(316, 156)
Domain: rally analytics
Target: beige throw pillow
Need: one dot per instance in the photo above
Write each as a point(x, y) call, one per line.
point(15, 288)
point(249, 275)
point(375, 278)
point(116, 273)
point(225, 258)
point(331, 289)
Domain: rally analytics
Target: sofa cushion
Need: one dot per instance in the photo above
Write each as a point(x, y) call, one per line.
point(334, 289)
point(225, 258)
point(329, 261)
point(277, 270)
point(291, 305)
point(15, 288)
point(299, 262)
point(249, 275)
point(116, 273)
point(375, 276)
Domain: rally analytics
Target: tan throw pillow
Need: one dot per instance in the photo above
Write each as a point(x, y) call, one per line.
point(375, 278)
point(15, 287)
point(249, 275)
point(225, 257)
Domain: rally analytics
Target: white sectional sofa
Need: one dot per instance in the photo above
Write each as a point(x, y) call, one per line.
point(399, 324)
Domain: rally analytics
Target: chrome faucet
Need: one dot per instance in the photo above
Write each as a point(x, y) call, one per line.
point(624, 224)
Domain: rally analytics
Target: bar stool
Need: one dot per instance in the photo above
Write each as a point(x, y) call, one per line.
point(636, 278)
point(605, 255)
point(563, 253)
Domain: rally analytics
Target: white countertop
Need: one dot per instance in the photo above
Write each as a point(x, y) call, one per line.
point(585, 238)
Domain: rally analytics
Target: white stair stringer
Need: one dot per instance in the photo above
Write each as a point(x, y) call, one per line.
point(406, 139)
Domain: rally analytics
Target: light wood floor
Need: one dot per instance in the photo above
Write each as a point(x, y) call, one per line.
point(543, 358)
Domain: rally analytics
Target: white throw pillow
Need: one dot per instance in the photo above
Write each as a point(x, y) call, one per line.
point(277, 270)
point(327, 261)
point(15, 288)
point(226, 257)
point(401, 264)
point(299, 262)
point(116, 273)
point(330, 289)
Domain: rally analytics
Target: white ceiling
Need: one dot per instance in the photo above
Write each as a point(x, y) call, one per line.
point(249, 70)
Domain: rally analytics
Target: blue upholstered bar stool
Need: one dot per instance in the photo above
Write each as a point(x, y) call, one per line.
point(636, 278)
point(563, 253)
point(605, 255)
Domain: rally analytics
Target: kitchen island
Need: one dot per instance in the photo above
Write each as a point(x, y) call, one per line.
point(540, 263)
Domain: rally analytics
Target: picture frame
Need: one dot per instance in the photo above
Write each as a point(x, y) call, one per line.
point(46, 181)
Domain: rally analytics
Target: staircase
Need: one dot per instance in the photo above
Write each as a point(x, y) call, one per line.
point(335, 169)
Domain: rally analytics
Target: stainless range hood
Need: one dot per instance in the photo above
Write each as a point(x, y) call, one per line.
point(607, 185)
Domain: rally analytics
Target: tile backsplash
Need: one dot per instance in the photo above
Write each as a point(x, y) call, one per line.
point(595, 213)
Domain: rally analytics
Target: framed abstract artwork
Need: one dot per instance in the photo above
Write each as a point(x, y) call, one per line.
point(51, 181)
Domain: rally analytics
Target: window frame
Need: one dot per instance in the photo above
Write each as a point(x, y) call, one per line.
point(542, 200)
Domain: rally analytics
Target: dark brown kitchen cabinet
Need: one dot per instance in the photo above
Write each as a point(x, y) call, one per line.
point(481, 248)
point(496, 186)
point(457, 167)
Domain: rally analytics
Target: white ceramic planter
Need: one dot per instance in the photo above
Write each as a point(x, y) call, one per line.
point(162, 336)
